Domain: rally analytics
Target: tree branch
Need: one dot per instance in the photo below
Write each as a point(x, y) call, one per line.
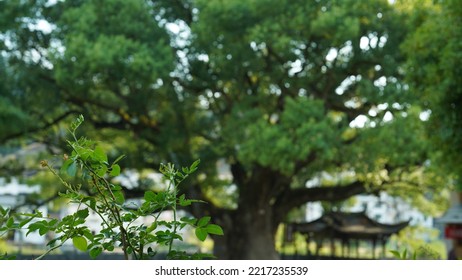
point(297, 197)
point(36, 203)
point(39, 128)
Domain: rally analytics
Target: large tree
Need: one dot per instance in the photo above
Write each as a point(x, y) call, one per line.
point(434, 52)
point(279, 92)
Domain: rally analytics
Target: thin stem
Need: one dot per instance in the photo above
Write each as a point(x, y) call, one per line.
point(99, 214)
point(175, 226)
point(49, 251)
point(66, 184)
point(174, 229)
point(116, 215)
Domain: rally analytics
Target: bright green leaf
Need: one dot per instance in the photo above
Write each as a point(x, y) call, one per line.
point(150, 196)
point(128, 217)
point(119, 197)
point(102, 170)
point(115, 170)
point(84, 153)
point(214, 229)
point(184, 202)
point(76, 123)
point(100, 155)
point(203, 221)
point(152, 227)
point(116, 187)
point(194, 166)
point(201, 233)
point(80, 243)
point(190, 221)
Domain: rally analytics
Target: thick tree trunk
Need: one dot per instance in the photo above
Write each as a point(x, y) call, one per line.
point(265, 198)
point(249, 235)
point(250, 229)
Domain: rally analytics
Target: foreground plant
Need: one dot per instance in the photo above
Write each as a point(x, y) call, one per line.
point(120, 221)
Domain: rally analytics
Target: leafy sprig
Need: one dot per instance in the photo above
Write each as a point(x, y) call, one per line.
point(120, 223)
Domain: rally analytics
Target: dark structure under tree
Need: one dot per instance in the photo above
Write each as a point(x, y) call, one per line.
point(345, 227)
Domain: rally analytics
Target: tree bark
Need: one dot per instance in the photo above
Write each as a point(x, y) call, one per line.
point(250, 229)
point(249, 235)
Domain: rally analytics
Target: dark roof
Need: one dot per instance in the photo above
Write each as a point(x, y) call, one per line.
point(351, 225)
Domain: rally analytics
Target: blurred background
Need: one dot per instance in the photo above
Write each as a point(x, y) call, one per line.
point(325, 128)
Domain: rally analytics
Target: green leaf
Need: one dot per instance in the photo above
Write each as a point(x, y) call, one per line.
point(43, 230)
point(203, 221)
point(52, 222)
point(95, 252)
point(152, 227)
point(119, 197)
point(118, 159)
point(84, 153)
point(115, 170)
point(128, 217)
point(150, 196)
point(35, 226)
point(26, 221)
point(116, 187)
point(52, 242)
point(100, 155)
point(201, 233)
point(396, 254)
point(80, 243)
point(214, 229)
point(184, 202)
point(87, 233)
point(10, 222)
point(72, 169)
point(102, 170)
point(109, 247)
point(189, 221)
point(75, 124)
point(82, 213)
point(65, 165)
point(194, 166)
point(92, 203)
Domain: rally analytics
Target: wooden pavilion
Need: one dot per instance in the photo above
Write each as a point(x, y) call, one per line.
point(345, 227)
